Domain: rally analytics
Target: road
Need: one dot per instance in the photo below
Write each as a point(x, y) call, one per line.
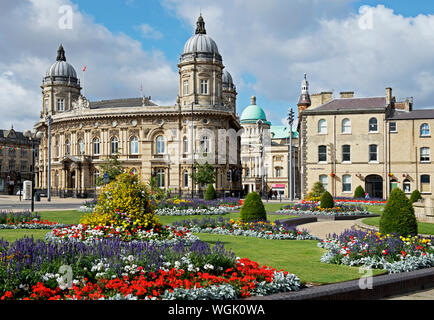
point(13, 203)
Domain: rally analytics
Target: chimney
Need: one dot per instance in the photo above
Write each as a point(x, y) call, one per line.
point(319, 99)
point(347, 95)
point(388, 96)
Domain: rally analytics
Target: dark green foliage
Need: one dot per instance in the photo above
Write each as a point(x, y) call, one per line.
point(316, 192)
point(327, 201)
point(415, 196)
point(113, 168)
point(359, 192)
point(210, 193)
point(398, 215)
point(253, 209)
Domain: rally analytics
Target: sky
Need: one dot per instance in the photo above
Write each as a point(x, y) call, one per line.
point(267, 46)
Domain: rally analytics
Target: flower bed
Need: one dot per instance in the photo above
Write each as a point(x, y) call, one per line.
point(87, 234)
point(116, 270)
point(313, 209)
point(25, 220)
point(265, 230)
point(373, 250)
point(191, 207)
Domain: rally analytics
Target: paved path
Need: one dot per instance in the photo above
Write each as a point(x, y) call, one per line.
point(421, 295)
point(13, 203)
point(323, 229)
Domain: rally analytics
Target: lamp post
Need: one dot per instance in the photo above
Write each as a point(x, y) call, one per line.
point(291, 122)
point(261, 146)
point(192, 150)
point(49, 122)
point(32, 137)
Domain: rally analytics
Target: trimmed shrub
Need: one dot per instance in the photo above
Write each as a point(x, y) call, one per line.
point(124, 203)
point(415, 196)
point(359, 193)
point(253, 209)
point(210, 193)
point(316, 193)
point(398, 215)
point(327, 201)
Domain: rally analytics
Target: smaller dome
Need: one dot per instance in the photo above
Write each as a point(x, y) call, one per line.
point(253, 113)
point(61, 70)
point(227, 78)
point(200, 43)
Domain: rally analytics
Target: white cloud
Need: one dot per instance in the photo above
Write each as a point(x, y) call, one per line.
point(149, 32)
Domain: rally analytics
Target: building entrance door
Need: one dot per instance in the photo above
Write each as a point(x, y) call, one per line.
point(374, 186)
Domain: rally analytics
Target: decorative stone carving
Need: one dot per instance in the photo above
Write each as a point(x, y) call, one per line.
point(81, 103)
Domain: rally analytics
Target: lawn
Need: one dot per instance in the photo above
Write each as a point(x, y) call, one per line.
point(423, 227)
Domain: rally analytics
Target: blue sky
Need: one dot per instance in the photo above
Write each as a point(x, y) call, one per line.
point(267, 46)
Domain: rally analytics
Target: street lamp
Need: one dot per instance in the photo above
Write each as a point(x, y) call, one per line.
point(291, 122)
point(49, 122)
point(260, 124)
point(32, 137)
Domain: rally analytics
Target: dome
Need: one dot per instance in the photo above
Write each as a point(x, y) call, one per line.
point(201, 42)
point(61, 70)
point(253, 113)
point(227, 78)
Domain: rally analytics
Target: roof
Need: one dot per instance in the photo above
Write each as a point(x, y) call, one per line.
point(119, 103)
point(282, 132)
point(351, 104)
point(252, 114)
point(413, 115)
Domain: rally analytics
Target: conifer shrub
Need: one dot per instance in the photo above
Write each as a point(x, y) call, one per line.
point(253, 209)
point(327, 201)
point(398, 216)
point(210, 193)
point(359, 192)
point(316, 193)
point(415, 196)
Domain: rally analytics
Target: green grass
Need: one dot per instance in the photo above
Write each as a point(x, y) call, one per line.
point(63, 217)
point(423, 227)
point(273, 207)
point(13, 235)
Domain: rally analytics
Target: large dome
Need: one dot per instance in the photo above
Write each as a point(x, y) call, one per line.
point(253, 113)
point(61, 70)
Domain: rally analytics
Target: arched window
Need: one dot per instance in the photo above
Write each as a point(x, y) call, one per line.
point(322, 154)
point(114, 145)
point(373, 125)
point(96, 147)
point(161, 178)
point(67, 147)
point(161, 145)
point(346, 126)
point(325, 181)
point(322, 126)
point(425, 130)
point(185, 145)
point(80, 147)
point(406, 186)
point(204, 144)
point(57, 149)
point(134, 145)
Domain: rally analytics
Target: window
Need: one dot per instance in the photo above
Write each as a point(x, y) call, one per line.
point(346, 126)
point(67, 148)
point(95, 177)
point(186, 179)
point(60, 105)
point(346, 153)
point(278, 172)
point(11, 165)
point(425, 183)
point(322, 154)
point(373, 153)
point(80, 147)
point(161, 145)
point(373, 125)
point(393, 127)
point(96, 147)
point(57, 149)
point(425, 155)
point(185, 87)
point(393, 184)
point(425, 130)
point(325, 181)
point(23, 153)
point(346, 183)
point(407, 186)
point(161, 178)
point(204, 144)
point(114, 145)
point(204, 86)
point(23, 166)
point(134, 145)
point(247, 171)
point(185, 142)
point(322, 126)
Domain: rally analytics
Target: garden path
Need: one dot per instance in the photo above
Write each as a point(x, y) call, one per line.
point(324, 228)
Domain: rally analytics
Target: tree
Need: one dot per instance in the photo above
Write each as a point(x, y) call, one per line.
point(359, 192)
point(415, 196)
point(316, 192)
point(210, 193)
point(398, 215)
point(113, 168)
point(204, 174)
point(253, 209)
point(327, 201)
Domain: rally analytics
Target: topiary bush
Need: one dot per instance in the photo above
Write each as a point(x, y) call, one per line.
point(125, 203)
point(316, 193)
point(398, 215)
point(210, 193)
point(253, 209)
point(415, 196)
point(327, 201)
point(359, 192)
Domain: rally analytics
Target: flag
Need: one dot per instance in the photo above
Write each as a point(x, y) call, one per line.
point(84, 69)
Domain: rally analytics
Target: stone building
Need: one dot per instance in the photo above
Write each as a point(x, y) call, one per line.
point(15, 160)
point(265, 154)
point(378, 143)
point(150, 140)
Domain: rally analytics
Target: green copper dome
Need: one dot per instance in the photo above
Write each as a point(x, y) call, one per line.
point(253, 113)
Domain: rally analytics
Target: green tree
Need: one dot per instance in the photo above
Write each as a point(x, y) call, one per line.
point(415, 196)
point(316, 192)
point(113, 168)
point(398, 215)
point(210, 193)
point(327, 201)
point(204, 174)
point(359, 192)
point(253, 209)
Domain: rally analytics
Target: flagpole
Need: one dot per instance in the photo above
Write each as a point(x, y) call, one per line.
point(84, 70)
